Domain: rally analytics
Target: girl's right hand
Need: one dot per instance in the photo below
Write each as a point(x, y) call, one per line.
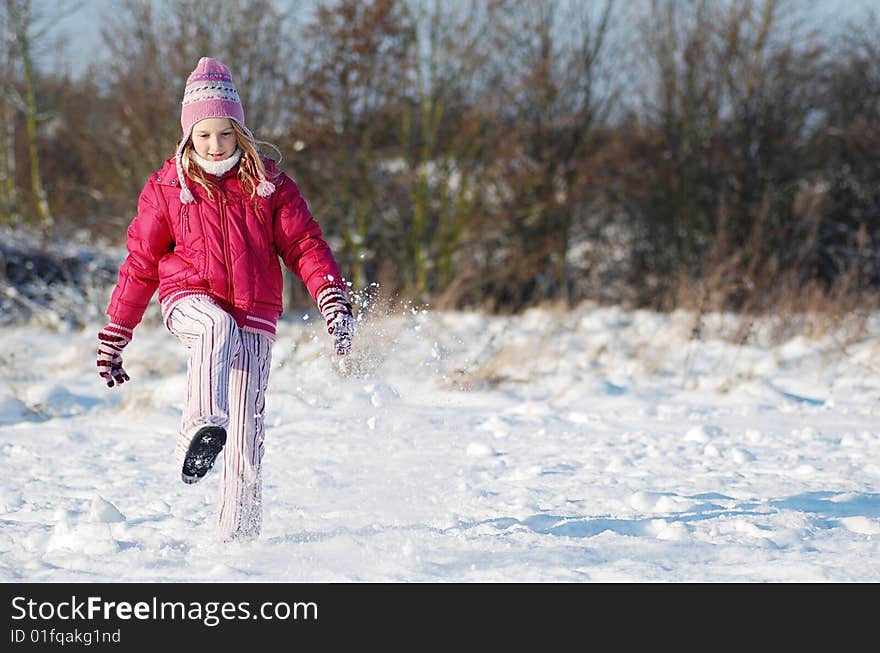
point(112, 339)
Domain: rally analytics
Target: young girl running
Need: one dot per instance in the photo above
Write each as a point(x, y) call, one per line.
point(210, 227)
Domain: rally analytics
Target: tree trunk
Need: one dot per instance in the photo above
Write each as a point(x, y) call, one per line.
point(41, 202)
point(9, 206)
point(8, 197)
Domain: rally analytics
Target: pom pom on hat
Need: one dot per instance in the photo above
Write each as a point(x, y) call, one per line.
point(209, 93)
point(265, 188)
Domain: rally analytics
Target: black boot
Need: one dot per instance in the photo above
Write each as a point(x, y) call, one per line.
point(203, 450)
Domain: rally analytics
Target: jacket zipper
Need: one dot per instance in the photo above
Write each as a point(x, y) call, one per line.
point(184, 219)
point(225, 228)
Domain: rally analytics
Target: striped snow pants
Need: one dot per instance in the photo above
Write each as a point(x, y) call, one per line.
point(227, 375)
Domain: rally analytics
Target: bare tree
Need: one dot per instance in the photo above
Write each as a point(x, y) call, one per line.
point(347, 104)
point(719, 153)
point(20, 26)
point(443, 131)
point(9, 210)
point(41, 202)
point(555, 92)
point(845, 151)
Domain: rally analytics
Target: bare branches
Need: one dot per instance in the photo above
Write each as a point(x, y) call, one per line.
point(502, 152)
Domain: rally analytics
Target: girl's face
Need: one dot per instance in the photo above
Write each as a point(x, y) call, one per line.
point(214, 138)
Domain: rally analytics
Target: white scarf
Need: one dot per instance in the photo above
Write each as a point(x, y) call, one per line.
point(217, 168)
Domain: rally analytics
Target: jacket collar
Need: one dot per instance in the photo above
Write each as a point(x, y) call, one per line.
point(167, 174)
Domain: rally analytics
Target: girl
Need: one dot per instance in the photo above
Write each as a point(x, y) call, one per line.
point(210, 227)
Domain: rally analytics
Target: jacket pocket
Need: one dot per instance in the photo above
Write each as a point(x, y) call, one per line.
point(181, 266)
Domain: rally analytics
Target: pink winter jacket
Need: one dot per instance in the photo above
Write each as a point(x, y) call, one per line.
point(222, 248)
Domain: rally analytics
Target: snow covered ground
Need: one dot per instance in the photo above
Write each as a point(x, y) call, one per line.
point(596, 445)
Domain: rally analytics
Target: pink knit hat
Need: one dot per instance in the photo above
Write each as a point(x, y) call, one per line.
point(210, 93)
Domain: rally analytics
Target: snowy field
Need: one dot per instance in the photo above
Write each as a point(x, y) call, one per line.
point(591, 446)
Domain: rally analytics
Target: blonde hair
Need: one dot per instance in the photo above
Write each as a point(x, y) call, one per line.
point(251, 169)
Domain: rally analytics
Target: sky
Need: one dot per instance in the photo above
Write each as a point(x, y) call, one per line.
point(594, 445)
point(81, 23)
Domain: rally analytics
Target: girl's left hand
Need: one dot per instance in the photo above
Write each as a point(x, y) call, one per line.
point(341, 327)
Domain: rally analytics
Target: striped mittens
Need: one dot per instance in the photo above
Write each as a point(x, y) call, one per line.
point(336, 311)
point(111, 341)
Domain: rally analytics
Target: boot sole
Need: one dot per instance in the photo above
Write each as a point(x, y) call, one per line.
point(203, 450)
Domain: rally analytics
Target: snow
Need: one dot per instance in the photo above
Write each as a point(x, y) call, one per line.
point(594, 445)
